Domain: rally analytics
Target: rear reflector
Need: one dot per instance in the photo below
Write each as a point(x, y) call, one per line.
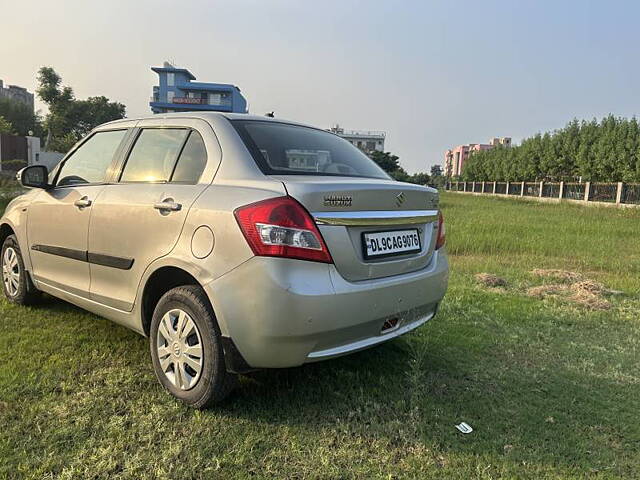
point(281, 227)
point(441, 232)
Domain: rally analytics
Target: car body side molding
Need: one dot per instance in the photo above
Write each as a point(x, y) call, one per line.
point(120, 263)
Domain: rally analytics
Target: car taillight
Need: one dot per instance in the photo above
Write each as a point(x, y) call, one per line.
point(281, 227)
point(441, 232)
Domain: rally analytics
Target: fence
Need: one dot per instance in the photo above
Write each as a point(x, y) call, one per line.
point(617, 193)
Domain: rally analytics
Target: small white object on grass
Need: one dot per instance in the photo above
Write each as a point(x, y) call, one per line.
point(464, 427)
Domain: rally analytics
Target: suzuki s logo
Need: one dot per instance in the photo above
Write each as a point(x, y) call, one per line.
point(400, 198)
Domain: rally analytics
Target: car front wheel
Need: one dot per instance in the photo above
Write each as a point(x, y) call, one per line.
point(186, 348)
point(16, 282)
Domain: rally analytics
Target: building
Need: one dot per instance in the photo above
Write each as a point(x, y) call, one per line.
point(177, 92)
point(367, 141)
point(455, 159)
point(16, 93)
point(17, 152)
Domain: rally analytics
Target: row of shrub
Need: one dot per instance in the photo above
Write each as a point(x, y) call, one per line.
point(607, 151)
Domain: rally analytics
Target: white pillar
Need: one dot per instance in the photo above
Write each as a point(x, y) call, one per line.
point(587, 191)
point(619, 193)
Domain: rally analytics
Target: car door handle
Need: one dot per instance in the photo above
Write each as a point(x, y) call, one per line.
point(168, 206)
point(83, 202)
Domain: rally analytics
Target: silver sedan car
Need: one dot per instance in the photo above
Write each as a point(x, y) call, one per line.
point(233, 242)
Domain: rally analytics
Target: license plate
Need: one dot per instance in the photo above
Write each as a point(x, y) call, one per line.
point(384, 244)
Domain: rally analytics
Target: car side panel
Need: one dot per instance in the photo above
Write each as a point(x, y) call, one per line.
point(15, 215)
point(213, 210)
point(131, 233)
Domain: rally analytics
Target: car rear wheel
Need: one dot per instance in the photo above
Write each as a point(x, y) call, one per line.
point(16, 282)
point(186, 348)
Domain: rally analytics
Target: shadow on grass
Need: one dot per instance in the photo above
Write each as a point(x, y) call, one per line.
point(525, 405)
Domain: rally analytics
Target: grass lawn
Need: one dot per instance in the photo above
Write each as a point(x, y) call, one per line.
point(551, 388)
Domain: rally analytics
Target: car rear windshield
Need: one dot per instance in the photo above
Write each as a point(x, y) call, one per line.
point(285, 149)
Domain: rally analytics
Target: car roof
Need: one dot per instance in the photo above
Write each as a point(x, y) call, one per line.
point(211, 115)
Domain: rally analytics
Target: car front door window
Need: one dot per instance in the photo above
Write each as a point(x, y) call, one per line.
point(90, 162)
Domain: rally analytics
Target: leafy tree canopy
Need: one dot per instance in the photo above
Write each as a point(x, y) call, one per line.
point(607, 150)
point(391, 164)
point(69, 119)
point(21, 116)
point(5, 126)
point(436, 171)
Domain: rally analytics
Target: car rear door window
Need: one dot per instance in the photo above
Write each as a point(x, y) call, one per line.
point(90, 162)
point(154, 155)
point(192, 160)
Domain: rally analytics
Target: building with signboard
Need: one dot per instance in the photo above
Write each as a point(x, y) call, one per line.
point(177, 92)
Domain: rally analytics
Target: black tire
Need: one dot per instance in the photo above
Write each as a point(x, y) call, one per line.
point(214, 383)
point(26, 292)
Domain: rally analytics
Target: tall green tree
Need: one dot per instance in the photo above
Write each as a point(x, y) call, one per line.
point(21, 116)
point(391, 164)
point(70, 119)
point(607, 150)
point(420, 178)
point(5, 126)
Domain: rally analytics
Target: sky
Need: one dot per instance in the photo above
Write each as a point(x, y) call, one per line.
point(432, 74)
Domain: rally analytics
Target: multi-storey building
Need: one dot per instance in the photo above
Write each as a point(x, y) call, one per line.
point(455, 158)
point(367, 141)
point(17, 94)
point(177, 92)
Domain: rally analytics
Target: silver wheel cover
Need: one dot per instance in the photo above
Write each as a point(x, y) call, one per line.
point(180, 350)
point(11, 271)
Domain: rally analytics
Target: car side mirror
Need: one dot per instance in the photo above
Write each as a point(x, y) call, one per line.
point(35, 176)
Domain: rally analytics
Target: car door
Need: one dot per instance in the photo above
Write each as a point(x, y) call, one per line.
point(58, 218)
point(140, 217)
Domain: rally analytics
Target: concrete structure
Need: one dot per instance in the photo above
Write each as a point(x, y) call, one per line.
point(16, 93)
point(455, 158)
point(177, 92)
point(17, 152)
point(367, 141)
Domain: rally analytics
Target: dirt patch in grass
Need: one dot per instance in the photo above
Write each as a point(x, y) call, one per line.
point(589, 286)
point(490, 280)
point(542, 291)
point(576, 289)
point(590, 301)
point(557, 275)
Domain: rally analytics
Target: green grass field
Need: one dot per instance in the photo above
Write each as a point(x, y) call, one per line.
point(551, 387)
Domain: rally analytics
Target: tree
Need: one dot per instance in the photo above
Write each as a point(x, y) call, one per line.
point(21, 116)
point(386, 160)
point(600, 151)
point(5, 126)
point(421, 178)
point(70, 119)
point(436, 170)
point(390, 164)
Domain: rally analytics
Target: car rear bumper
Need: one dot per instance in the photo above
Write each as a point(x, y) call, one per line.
point(282, 312)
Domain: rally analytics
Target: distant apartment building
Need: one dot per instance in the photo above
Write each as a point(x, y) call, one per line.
point(456, 158)
point(367, 141)
point(16, 93)
point(177, 92)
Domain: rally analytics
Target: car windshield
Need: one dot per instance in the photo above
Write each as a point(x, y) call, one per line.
point(284, 149)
